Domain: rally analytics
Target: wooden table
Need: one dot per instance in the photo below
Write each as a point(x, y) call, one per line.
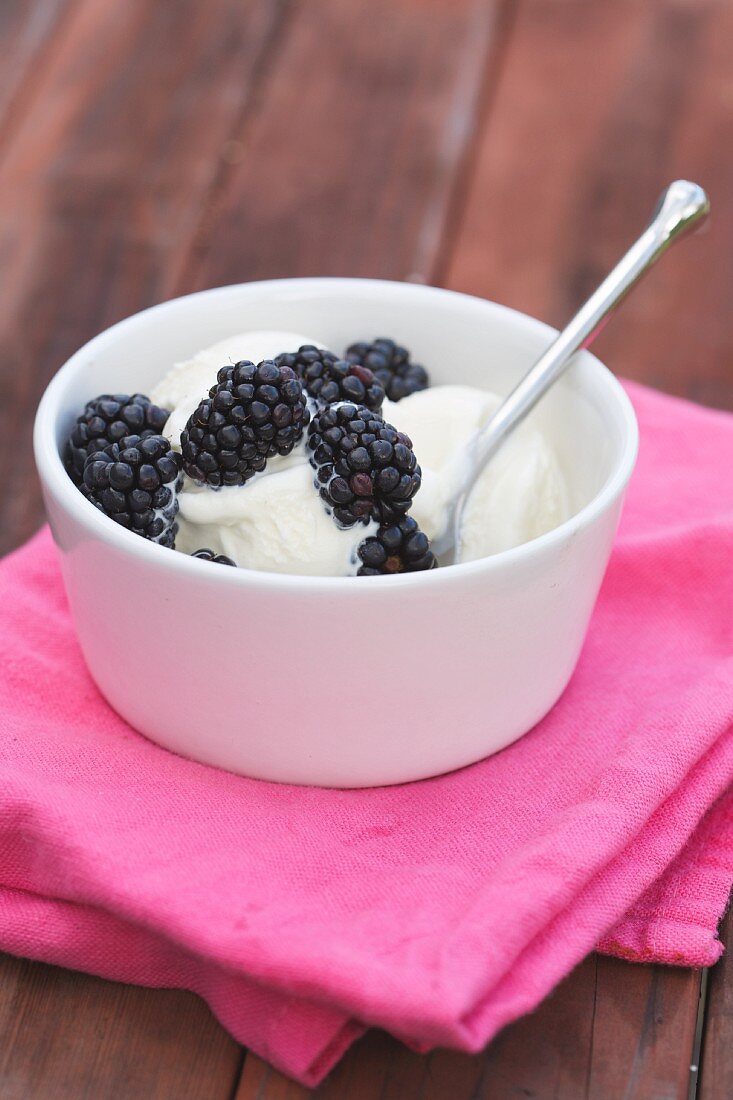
point(509, 148)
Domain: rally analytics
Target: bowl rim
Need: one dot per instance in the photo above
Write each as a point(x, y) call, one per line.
point(56, 481)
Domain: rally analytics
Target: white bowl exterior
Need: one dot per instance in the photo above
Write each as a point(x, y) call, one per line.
point(329, 681)
point(361, 688)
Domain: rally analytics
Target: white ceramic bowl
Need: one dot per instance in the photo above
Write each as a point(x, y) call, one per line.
point(337, 681)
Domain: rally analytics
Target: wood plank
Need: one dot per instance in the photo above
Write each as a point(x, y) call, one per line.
point(66, 1036)
point(361, 183)
point(716, 1070)
point(610, 1029)
point(109, 168)
point(644, 1031)
point(641, 93)
point(26, 31)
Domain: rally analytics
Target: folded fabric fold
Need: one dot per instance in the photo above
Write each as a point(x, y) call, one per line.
point(440, 910)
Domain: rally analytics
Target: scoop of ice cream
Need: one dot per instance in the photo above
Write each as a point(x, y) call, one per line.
point(277, 521)
point(279, 524)
point(184, 386)
point(521, 494)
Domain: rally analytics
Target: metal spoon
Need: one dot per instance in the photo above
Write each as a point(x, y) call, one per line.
point(682, 206)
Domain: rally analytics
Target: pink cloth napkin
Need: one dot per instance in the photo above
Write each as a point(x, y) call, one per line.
point(440, 910)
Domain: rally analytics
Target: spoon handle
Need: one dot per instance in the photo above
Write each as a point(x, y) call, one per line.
point(679, 209)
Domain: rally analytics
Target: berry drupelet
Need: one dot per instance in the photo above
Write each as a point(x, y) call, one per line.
point(328, 379)
point(108, 419)
point(136, 482)
point(392, 366)
point(208, 555)
point(399, 547)
point(251, 414)
point(365, 468)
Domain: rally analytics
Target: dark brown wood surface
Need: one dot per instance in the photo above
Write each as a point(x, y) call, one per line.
point(64, 1034)
point(717, 1063)
point(510, 148)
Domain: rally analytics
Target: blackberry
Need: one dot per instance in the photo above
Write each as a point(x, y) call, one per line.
point(392, 366)
point(107, 419)
point(209, 555)
point(252, 413)
point(328, 379)
point(365, 468)
point(399, 547)
point(135, 482)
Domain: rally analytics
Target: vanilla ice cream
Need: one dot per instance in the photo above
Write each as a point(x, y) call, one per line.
point(277, 520)
point(521, 494)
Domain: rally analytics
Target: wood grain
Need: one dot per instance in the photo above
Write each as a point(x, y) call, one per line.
point(349, 157)
point(26, 32)
point(67, 1036)
point(609, 1030)
point(644, 1030)
point(716, 1070)
point(599, 106)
